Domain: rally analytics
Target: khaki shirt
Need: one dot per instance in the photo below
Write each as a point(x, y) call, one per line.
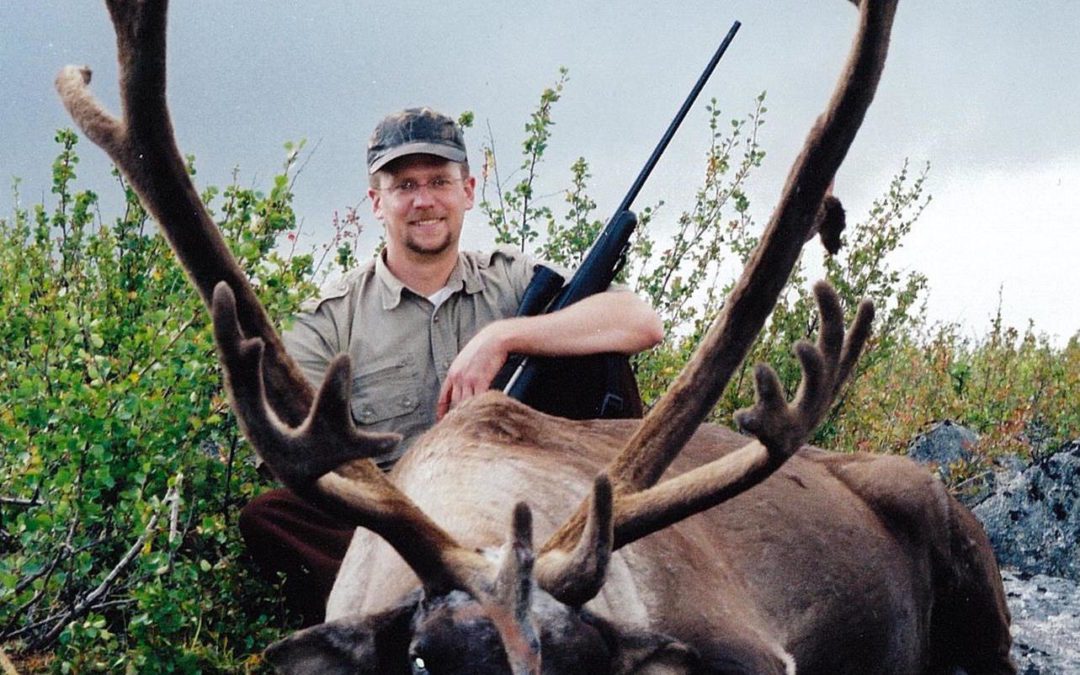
point(401, 345)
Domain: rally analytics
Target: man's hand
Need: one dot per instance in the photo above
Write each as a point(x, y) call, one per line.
point(615, 321)
point(474, 368)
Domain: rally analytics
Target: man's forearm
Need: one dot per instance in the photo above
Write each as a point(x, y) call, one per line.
point(607, 322)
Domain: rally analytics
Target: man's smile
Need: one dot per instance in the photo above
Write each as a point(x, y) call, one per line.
point(426, 222)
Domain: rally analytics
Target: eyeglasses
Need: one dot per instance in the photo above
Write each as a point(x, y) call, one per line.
point(408, 187)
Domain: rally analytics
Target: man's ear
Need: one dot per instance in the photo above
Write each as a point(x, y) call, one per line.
point(376, 643)
point(470, 191)
point(637, 652)
point(376, 202)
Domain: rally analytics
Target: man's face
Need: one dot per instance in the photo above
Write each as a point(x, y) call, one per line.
point(422, 200)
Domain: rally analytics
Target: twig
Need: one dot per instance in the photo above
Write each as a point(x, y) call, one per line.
point(188, 524)
point(25, 630)
point(64, 552)
point(173, 499)
point(303, 164)
point(498, 181)
point(229, 475)
point(972, 480)
point(17, 501)
point(83, 606)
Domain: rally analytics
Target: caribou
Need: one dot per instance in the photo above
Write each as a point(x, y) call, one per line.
point(670, 546)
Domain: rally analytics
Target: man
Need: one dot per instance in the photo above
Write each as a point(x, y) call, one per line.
point(427, 327)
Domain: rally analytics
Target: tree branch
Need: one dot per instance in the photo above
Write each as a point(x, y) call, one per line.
point(17, 501)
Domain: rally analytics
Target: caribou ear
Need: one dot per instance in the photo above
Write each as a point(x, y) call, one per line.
point(377, 643)
point(638, 652)
point(654, 654)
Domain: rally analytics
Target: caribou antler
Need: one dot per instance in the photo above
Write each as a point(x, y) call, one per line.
point(686, 404)
point(677, 415)
point(300, 436)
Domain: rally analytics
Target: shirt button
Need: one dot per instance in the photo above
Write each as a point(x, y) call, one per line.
point(435, 319)
point(407, 401)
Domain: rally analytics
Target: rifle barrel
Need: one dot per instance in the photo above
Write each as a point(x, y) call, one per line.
point(628, 200)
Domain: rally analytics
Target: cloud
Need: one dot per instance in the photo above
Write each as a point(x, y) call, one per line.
point(1016, 229)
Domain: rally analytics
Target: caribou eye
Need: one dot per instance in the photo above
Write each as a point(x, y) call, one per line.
point(418, 666)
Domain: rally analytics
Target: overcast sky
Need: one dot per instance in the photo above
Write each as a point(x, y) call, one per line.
point(985, 91)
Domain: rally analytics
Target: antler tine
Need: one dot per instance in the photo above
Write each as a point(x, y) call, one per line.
point(509, 605)
point(856, 339)
point(325, 440)
point(780, 428)
point(513, 583)
point(675, 418)
point(575, 577)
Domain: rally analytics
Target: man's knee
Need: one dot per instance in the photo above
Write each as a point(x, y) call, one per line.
point(260, 517)
point(278, 522)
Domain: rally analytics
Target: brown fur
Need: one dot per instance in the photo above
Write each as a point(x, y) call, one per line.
point(849, 563)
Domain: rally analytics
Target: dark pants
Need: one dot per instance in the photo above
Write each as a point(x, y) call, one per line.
point(286, 536)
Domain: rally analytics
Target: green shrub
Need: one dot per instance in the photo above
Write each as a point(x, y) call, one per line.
point(122, 467)
point(1016, 389)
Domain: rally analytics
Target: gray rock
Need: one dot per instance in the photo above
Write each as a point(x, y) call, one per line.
point(1045, 623)
point(1033, 520)
point(948, 444)
point(945, 443)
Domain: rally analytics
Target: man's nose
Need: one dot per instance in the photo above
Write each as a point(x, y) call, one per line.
point(424, 195)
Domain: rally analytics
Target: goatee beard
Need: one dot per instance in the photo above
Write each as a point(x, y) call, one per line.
point(435, 250)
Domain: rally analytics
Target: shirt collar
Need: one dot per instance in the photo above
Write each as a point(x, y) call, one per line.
point(465, 275)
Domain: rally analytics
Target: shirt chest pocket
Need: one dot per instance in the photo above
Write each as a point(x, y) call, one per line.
point(385, 390)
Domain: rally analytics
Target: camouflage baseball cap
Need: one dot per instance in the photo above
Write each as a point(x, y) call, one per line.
point(415, 131)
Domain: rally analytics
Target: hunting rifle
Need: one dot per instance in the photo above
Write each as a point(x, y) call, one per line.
point(603, 384)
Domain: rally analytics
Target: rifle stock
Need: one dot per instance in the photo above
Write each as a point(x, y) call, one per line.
point(594, 275)
point(542, 289)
